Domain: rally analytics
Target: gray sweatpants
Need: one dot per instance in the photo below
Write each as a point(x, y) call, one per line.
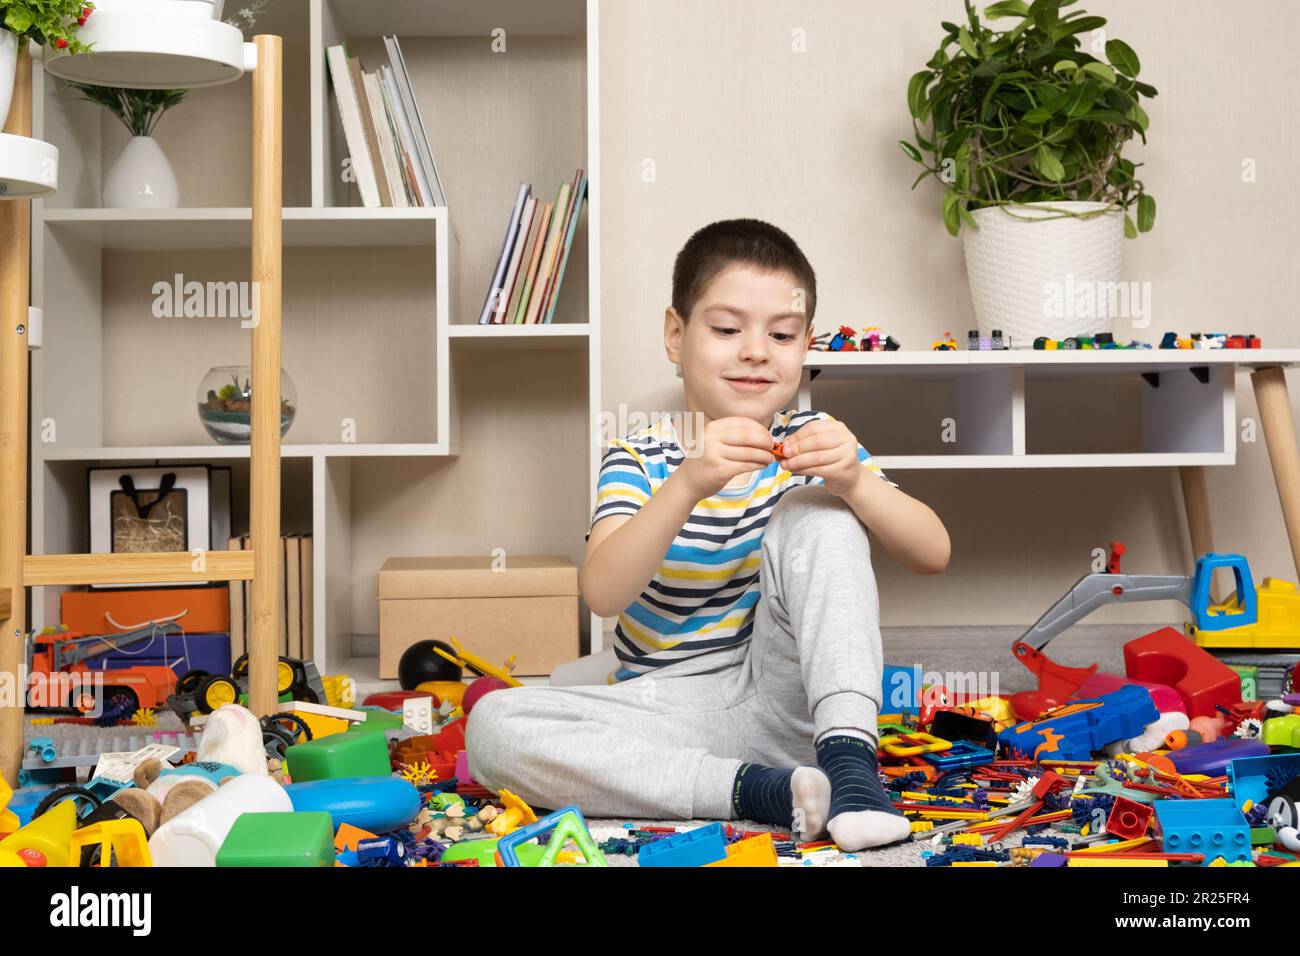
point(667, 745)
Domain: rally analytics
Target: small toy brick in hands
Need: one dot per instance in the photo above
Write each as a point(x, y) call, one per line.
point(778, 449)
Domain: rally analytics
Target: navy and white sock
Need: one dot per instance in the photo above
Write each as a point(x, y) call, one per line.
point(861, 814)
point(798, 799)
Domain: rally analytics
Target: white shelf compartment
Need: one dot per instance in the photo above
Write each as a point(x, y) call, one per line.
point(1003, 404)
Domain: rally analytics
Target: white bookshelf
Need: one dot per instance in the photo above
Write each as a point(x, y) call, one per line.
point(380, 305)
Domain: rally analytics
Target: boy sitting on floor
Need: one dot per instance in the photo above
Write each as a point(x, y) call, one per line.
point(748, 636)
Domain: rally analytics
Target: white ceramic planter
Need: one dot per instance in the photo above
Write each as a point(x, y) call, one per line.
point(8, 71)
point(1034, 272)
point(141, 178)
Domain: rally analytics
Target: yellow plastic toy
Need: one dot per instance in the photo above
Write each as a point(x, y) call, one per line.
point(475, 663)
point(755, 851)
point(123, 839)
point(444, 690)
point(50, 834)
point(1277, 620)
point(517, 814)
point(911, 744)
point(8, 819)
point(145, 717)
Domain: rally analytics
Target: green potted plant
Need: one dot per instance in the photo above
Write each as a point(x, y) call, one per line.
point(1024, 129)
point(45, 21)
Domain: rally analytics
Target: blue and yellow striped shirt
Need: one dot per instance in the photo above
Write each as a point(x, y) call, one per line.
point(702, 597)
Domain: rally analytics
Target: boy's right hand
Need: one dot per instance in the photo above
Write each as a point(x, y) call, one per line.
point(728, 447)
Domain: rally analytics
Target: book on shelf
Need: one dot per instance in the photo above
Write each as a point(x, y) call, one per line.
point(512, 272)
point(528, 275)
point(548, 256)
point(294, 582)
point(576, 207)
point(387, 143)
point(373, 151)
point(423, 157)
point(389, 159)
point(353, 132)
point(503, 257)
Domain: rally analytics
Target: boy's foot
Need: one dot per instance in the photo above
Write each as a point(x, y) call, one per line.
point(799, 798)
point(861, 814)
point(810, 794)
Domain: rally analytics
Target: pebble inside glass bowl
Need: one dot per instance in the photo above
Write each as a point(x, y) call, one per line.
point(226, 404)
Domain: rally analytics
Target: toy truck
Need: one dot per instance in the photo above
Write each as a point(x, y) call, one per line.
point(59, 662)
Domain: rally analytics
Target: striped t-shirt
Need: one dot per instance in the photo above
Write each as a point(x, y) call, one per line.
point(702, 597)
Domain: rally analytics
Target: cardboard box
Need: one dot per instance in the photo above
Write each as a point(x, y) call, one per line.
point(528, 609)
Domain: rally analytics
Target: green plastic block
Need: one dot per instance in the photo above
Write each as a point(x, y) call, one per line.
point(377, 721)
point(1263, 836)
point(339, 755)
point(279, 839)
point(485, 851)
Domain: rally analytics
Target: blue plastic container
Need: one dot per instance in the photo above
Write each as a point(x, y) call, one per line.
point(378, 804)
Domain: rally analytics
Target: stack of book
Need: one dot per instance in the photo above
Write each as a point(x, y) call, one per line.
point(295, 585)
point(389, 150)
point(534, 254)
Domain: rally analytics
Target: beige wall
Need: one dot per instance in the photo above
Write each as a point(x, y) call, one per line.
point(739, 125)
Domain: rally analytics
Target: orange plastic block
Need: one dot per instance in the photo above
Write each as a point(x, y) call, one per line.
point(348, 836)
point(756, 851)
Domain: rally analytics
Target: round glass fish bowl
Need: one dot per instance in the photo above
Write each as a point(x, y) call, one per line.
point(225, 403)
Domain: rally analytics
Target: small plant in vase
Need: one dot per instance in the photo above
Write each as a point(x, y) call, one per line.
point(141, 177)
point(225, 403)
point(48, 22)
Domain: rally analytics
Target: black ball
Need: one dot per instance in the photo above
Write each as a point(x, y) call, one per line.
point(419, 664)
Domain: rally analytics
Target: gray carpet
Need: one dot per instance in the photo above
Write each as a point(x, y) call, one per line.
point(986, 651)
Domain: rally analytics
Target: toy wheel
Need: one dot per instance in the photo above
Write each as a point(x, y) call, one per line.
point(291, 724)
point(284, 675)
point(1070, 343)
point(240, 669)
point(190, 681)
point(69, 793)
point(214, 691)
point(275, 741)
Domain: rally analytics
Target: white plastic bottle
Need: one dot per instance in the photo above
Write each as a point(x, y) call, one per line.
point(194, 837)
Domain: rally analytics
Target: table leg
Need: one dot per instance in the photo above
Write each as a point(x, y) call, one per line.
point(1196, 501)
point(1283, 452)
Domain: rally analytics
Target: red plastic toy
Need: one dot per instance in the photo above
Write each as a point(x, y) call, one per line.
point(1169, 657)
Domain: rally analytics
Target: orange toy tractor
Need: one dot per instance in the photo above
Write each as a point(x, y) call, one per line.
point(60, 676)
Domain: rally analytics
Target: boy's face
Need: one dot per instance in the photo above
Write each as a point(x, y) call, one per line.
point(742, 351)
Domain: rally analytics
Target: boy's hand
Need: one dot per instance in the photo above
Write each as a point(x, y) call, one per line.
point(729, 447)
point(827, 450)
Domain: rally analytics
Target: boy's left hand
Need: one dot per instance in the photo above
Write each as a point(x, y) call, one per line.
point(827, 450)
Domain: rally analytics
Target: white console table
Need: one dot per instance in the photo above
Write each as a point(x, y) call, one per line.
point(1188, 412)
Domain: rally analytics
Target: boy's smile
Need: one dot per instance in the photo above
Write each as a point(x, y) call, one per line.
point(742, 351)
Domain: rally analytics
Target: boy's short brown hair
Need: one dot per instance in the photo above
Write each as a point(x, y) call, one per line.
point(735, 241)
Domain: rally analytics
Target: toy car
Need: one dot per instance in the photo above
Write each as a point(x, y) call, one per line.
point(996, 342)
point(873, 340)
point(1102, 340)
point(204, 692)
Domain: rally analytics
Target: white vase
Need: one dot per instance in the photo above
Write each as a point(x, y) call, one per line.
point(141, 178)
point(1035, 272)
point(8, 71)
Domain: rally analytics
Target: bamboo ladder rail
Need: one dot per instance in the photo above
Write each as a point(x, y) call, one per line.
point(260, 564)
